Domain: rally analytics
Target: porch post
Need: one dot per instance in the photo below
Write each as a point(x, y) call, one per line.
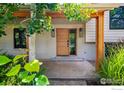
point(32, 37)
point(31, 47)
point(99, 38)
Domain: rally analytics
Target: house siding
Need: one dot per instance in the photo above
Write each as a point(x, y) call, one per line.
point(109, 35)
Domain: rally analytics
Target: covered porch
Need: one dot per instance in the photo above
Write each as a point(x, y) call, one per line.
point(76, 69)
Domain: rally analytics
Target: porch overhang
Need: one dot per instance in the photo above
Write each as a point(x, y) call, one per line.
point(99, 15)
point(24, 11)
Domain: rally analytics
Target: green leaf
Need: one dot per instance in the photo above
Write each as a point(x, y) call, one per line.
point(28, 79)
point(42, 80)
point(14, 71)
point(23, 74)
point(17, 57)
point(33, 66)
point(4, 60)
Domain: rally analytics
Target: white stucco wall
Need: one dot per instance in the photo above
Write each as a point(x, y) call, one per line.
point(109, 35)
point(46, 45)
point(7, 42)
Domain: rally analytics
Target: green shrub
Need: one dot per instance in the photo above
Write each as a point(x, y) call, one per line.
point(17, 71)
point(111, 46)
point(112, 67)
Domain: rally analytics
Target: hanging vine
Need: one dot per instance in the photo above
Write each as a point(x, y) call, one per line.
point(77, 12)
point(41, 21)
point(6, 15)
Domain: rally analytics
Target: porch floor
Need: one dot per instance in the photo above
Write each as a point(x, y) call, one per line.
point(70, 70)
point(71, 58)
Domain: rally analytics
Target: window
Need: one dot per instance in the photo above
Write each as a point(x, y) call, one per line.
point(19, 38)
point(117, 18)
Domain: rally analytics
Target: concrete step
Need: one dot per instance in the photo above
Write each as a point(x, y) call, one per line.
point(67, 82)
point(64, 59)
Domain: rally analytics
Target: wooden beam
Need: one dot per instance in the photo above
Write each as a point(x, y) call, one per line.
point(99, 38)
point(22, 14)
point(26, 13)
point(61, 14)
point(56, 14)
point(94, 15)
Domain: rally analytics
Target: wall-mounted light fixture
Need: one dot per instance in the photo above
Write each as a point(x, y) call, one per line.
point(53, 32)
point(81, 32)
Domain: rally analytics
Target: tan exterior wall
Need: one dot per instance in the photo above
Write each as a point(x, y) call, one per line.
point(109, 35)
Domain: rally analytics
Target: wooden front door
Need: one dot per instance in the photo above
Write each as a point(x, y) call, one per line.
point(62, 41)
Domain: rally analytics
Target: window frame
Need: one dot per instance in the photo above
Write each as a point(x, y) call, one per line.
point(16, 30)
point(110, 18)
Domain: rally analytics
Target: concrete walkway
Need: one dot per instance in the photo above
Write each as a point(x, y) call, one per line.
point(70, 70)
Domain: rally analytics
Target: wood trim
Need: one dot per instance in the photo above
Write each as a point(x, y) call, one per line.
point(56, 14)
point(22, 13)
point(99, 38)
point(26, 13)
point(61, 14)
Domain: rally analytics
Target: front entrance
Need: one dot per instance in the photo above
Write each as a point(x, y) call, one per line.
point(66, 41)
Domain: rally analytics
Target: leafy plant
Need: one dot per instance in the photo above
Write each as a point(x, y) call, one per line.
point(32, 66)
point(77, 12)
point(112, 67)
point(42, 80)
point(14, 71)
point(6, 14)
point(21, 72)
point(4, 60)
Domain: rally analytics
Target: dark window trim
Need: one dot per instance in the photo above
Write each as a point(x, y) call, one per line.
point(20, 46)
point(114, 18)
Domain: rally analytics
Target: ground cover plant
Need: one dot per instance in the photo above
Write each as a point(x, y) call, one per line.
point(112, 67)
